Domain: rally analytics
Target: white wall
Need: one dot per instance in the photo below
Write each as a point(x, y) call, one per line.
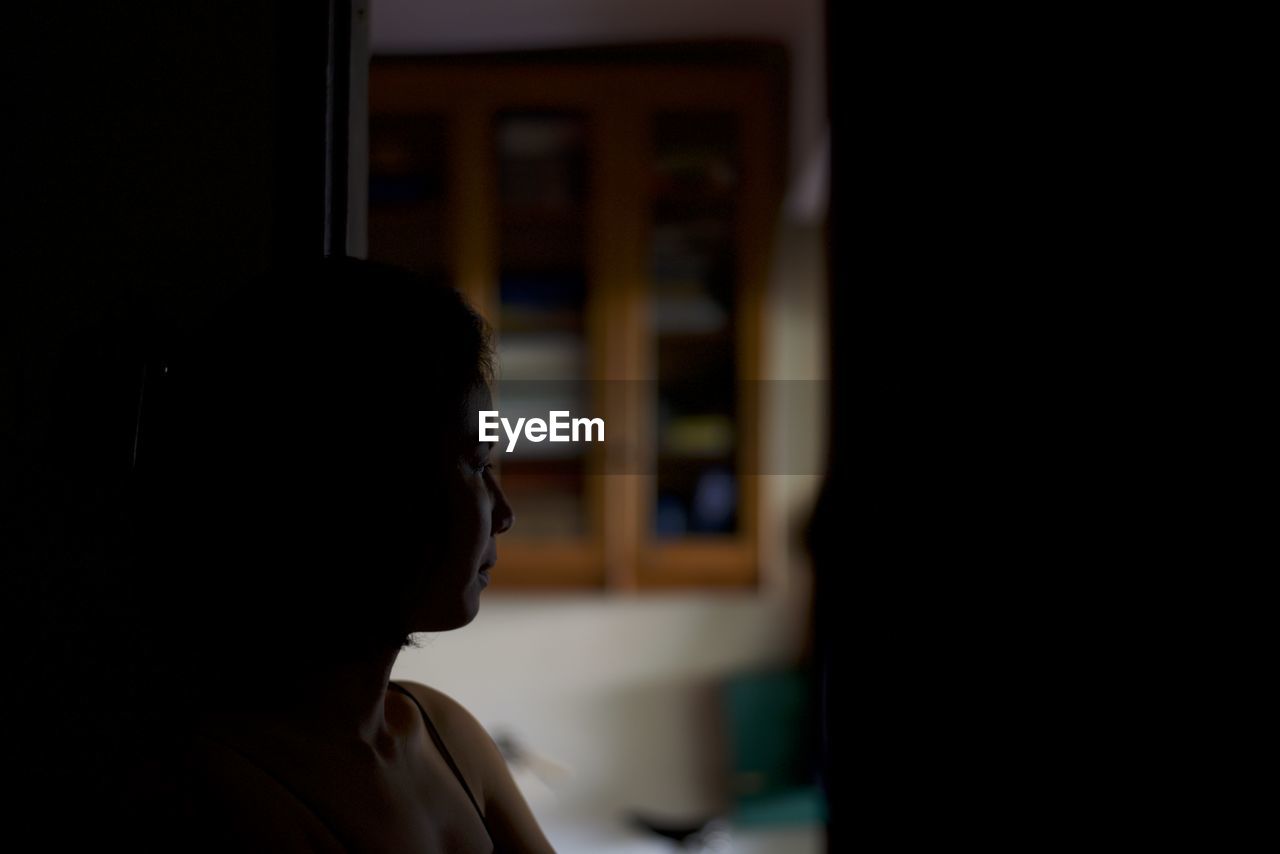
point(622, 690)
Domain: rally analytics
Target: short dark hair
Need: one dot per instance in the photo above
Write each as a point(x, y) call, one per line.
point(295, 478)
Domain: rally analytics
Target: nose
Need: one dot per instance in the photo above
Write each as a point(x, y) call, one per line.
point(503, 516)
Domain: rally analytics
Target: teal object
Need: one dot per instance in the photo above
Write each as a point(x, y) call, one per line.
point(770, 730)
point(795, 806)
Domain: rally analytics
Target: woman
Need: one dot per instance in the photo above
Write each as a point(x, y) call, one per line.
point(317, 495)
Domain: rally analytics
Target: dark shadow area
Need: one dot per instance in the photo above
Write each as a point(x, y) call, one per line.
point(154, 161)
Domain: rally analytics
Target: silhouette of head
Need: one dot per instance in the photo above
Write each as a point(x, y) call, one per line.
point(315, 477)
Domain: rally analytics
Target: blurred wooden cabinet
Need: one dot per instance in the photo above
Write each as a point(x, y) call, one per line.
point(611, 213)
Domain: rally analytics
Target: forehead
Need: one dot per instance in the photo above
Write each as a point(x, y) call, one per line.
point(478, 399)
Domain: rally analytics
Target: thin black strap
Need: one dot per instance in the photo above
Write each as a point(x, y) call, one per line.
point(444, 751)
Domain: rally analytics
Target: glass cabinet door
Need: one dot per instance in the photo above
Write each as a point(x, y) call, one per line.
point(542, 199)
point(692, 276)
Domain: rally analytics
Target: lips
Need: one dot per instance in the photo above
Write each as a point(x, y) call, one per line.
point(486, 566)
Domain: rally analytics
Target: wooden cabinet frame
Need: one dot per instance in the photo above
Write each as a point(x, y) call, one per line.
point(618, 91)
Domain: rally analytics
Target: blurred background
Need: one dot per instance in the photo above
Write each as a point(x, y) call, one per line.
point(633, 195)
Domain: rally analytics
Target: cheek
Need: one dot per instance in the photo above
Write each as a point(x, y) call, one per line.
point(478, 516)
point(466, 519)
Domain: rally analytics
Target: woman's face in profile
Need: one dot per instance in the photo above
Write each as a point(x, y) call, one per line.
point(478, 513)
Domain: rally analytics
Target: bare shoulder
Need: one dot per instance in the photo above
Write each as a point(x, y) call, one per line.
point(444, 710)
point(469, 743)
point(511, 822)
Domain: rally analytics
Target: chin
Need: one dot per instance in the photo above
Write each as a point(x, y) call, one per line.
point(456, 619)
point(469, 613)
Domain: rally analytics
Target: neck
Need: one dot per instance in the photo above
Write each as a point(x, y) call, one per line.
point(338, 699)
